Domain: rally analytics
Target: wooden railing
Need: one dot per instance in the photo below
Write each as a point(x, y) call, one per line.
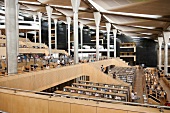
point(43, 79)
point(26, 101)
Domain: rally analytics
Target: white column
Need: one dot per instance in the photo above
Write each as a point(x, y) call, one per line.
point(166, 40)
point(11, 34)
point(97, 17)
point(75, 5)
point(35, 35)
point(39, 17)
point(55, 22)
point(17, 27)
point(68, 23)
point(160, 41)
point(49, 12)
point(81, 33)
point(115, 33)
point(108, 26)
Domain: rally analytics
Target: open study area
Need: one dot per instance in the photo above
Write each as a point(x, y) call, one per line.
point(84, 56)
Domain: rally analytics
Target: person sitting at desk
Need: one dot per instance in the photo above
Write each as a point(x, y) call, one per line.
point(94, 88)
point(34, 66)
point(26, 68)
point(96, 94)
point(47, 66)
point(110, 96)
point(87, 93)
point(117, 98)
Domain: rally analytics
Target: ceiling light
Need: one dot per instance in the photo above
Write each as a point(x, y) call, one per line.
point(147, 33)
point(136, 15)
point(34, 3)
point(135, 37)
point(145, 27)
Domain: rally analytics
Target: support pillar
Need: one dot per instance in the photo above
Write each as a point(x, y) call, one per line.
point(11, 34)
point(75, 5)
point(39, 17)
point(160, 41)
point(49, 12)
point(81, 33)
point(68, 23)
point(17, 27)
point(55, 22)
point(97, 17)
point(108, 26)
point(81, 38)
point(114, 33)
point(35, 35)
point(166, 40)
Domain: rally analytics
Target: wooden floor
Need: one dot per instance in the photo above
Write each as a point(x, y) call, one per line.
point(138, 84)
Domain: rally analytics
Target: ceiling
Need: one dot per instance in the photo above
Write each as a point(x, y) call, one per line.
point(139, 18)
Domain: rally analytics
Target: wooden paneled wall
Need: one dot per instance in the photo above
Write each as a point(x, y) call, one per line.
point(21, 102)
point(40, 80)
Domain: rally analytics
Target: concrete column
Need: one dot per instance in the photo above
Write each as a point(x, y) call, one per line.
point(108, 26)
point(81, 33)
point(97, 17)
point(17, 27)
point(115, 33)
point(49, 12)
point(11, 34)
point(55, 22)
point(35, 35)
point(75, 5)
point(68, 23)
point(166, 40)
point(160, 41)
point(39, 17)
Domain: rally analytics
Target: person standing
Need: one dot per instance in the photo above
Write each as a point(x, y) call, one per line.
point(102, 68)
point(114, 75)
point(132, 96)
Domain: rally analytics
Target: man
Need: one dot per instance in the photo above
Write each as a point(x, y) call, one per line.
point(132, 96)
point(102, 68)
point(114, 75)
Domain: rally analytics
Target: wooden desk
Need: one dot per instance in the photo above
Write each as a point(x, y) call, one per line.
point(103, 84)
point(114, 95)
point(100, 87)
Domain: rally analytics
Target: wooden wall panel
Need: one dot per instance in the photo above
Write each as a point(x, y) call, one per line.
point(106, 110)
point(20, 104)
point(135, 112)
point(76, 108)
point(31, 103)
point(5, 102)
point(38, 105)
point(59, 107)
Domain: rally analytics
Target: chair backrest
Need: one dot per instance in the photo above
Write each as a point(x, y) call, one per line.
point(3, 64)
point(23, 68)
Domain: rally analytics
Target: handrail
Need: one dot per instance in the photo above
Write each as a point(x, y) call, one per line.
point(95, 99)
